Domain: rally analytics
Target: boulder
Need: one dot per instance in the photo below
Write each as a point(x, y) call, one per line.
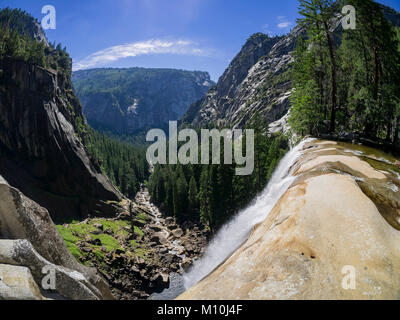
point(109, 231)
point(96, 242)
point(22, 218)
point(162, 279)
point(69, 283)
point(162, 250)
point(138, 223)
point(169, 221)
point(98, 226)
point(140, 262)
point(159, 238)
point(189, 247)
point(86, 249)
point(16, 283)
point(156, 228)
point(186, 263)
point(170, 259)
point(177, 233)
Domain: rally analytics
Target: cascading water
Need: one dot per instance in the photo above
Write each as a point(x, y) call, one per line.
point(234, 233)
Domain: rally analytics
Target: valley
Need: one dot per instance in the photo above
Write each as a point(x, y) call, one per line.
point(131, 101)
point(316, 116)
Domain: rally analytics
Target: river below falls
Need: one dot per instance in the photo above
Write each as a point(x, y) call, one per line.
point(176, 287)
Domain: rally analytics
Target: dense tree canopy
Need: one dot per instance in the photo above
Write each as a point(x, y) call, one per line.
point(213, 193)
point(347, 80)
point(17, 40)
point(124, 163)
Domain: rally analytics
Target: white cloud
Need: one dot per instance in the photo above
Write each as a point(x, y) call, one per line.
point(154, 46)
point(284, 25)
point(283, 22)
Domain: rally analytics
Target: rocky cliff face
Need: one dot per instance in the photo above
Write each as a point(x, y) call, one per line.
point(45, 173)
point(127, 101)
point(256, 82)
point(41, 150)
point(340, 217)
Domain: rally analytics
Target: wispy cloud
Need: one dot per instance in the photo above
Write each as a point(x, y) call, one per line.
point(283, 22)
point(266, 30)
point(284, 25)
point(153, 46)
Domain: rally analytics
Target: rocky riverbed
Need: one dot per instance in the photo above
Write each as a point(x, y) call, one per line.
point(137, 251)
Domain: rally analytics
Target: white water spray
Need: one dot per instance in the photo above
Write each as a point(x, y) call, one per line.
point(235, 233)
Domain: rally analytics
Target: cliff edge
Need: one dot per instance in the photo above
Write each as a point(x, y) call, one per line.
point(335, 234)
point(41, 143)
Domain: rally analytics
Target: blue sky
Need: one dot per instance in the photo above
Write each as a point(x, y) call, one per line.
point(186, 34)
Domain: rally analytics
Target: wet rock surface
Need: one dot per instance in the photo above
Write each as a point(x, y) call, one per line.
point(339, 214)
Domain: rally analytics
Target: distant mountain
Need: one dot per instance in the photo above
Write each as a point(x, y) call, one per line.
point(127, 101)
point(254, 81)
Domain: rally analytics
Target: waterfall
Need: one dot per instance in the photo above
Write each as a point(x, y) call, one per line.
point(233, 234)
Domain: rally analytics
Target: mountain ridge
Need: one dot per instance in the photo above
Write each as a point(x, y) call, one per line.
point(234, 106)
point(130, 100)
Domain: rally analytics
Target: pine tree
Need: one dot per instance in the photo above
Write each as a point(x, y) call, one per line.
point(317, 17)
point(372, 66)
point(182, 189)
point(176, 199)
point(192, 194)
point(125, 165)
point(204, 197)
point(169, 200)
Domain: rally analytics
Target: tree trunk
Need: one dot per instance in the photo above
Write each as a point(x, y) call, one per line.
point(376, 72)
point(396, 133)
point(333, 78)
point(389, 132)
point(366, 63)
point(321, 75)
